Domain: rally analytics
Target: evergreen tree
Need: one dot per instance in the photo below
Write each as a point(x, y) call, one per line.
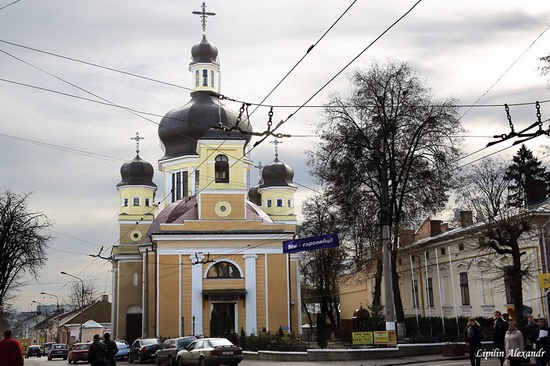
point(524, 170)
point(214, 324)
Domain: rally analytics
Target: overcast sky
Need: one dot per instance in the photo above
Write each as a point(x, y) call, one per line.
point(461, 48)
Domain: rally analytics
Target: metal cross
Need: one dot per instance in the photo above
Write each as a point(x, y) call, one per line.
point(276, 143)
point(203, 14)
point(137, 139)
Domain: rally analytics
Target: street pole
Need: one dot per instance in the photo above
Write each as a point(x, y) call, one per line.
point(81, 301)
point(57, 313)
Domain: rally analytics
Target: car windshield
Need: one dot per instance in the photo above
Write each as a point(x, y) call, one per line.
point(182, 343)
point(81, 346)
point(220, 342)
point(58, 346)
point(147, 342)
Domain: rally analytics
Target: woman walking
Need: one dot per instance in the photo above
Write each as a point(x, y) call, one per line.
point(472, 335)
point(514, 345)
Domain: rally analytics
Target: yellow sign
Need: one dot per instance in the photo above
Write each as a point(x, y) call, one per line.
point(385, 337)
point(362, 338)
point(544, 280)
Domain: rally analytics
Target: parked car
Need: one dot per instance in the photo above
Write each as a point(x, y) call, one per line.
point(143, 350)
point(45, 347)
point(210, 351)
point(79, 352)
point(58, 350)
point(122, 346)
point(170, 348)
point(33, 351)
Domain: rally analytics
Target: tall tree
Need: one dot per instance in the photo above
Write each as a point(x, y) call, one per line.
point(390, 121)
point(24, 237)
point(483, 188)
point(524, 170)
point(321, 267)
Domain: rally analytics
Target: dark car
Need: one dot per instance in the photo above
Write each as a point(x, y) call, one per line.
point(211, 351)
point(58, 350)
point(79, 352)
point(143, 350)
point(170, 348)
point(33, 351)
point(46, 347)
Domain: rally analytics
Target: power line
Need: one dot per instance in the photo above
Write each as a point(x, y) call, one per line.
point(5, 6)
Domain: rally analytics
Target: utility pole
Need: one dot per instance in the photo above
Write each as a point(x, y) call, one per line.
point(82, 294)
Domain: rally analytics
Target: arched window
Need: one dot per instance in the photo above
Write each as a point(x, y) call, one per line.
point(222, 169)
point(223, 270)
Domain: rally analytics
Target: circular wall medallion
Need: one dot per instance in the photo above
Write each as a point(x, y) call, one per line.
point(135, 235)
point(222, 208)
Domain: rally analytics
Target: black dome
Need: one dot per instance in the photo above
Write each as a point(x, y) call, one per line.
point(180, 128)
point(204, 52)
point(277, 174)
point(254, 195)
point(137, 173)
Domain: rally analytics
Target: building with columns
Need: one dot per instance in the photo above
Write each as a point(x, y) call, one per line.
point(206, 258)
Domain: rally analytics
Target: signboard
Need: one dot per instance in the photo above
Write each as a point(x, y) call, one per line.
point(311, 243)
point(362, 338)
point(544, 280)
point(385, 337)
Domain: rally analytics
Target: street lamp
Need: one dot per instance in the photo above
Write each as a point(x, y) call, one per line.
point(81, 300)
point(56, 311)
point(39, 307)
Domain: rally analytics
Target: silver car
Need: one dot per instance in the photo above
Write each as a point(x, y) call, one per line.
point(170, 348)
point(210, 351)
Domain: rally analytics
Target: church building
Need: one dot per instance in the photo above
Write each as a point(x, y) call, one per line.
point(206, 257)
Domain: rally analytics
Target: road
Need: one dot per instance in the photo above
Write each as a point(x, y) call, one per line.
point(490, 362)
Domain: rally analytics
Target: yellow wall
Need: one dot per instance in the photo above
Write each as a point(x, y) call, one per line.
point(208, 206)
point(168, 275)
point(277, 291)
point(354, 292)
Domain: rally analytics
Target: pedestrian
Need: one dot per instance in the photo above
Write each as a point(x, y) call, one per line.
point(112, 349)
point(514, 345)
point(530, 331)
point(540, 343)
point(499, 332)
point(11, 353)
point(97, 355)
point(506, 318)
point(233, 337)
point(472, 335)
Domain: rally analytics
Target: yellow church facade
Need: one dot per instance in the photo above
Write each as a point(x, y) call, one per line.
point(207, 257)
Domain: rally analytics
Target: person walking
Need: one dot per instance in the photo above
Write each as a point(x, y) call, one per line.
point(472, 335)
point(540, 343)
point(97, 355)
point(499, 332)
point(112, 349)
point(11, 353)
point(514, 345)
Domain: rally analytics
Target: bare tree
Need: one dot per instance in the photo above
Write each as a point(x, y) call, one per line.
point(24, 237)
point(483, 188)
point(389, 124)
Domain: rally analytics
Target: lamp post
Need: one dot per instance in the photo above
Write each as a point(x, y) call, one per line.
point(57, 313)
point(81, 301)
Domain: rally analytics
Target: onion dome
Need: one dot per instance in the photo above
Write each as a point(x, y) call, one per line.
point(204, 52)
point(277, 174)
point(254, 195)
point(137, 173)
point(180, 128)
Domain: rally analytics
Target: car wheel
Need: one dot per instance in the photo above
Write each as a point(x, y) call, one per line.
point(157, 361)
point(179, 361)
point(171, 361)
point(201, 361)
point(140, 360)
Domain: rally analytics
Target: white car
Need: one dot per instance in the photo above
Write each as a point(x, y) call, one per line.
point(210, 351)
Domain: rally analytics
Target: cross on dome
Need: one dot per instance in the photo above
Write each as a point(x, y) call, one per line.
point(137, 139)
point(276, 143)
point(203, 15)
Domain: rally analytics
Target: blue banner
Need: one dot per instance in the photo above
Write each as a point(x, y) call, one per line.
point(314, 242)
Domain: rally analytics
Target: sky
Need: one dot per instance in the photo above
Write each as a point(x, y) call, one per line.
point(66, 149)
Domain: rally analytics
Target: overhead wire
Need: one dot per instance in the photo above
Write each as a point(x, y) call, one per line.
point(5, 6)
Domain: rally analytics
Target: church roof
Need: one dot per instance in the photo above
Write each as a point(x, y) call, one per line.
point(277, 174)
point(137, 172)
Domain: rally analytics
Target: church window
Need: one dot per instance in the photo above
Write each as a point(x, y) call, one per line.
point(212, 79)
point(197, 181)
point(197, 78)
point(179, 185)
point(223, 270)
point(221, 168)
point(135, 201)
point(279, 202)
point(125, 202)
point(289, 203)
point(464, 288)
point(268, 203)
point(205, 77)
point(135, 279)
point(148, 202)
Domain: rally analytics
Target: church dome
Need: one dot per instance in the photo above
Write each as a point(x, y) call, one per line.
point(277, 174)
point(180, 128)
point(204, 52)
point(137, 172)
point(254, 195)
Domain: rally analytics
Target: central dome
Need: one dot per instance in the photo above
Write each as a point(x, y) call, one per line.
point(180, 128)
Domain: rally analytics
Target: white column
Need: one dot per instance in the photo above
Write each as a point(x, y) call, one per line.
point(297, 258)
point(196, 292)
point(250, 286)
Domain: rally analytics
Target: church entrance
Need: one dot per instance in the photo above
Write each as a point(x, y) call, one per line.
point(222, 319)
point(133, 327)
